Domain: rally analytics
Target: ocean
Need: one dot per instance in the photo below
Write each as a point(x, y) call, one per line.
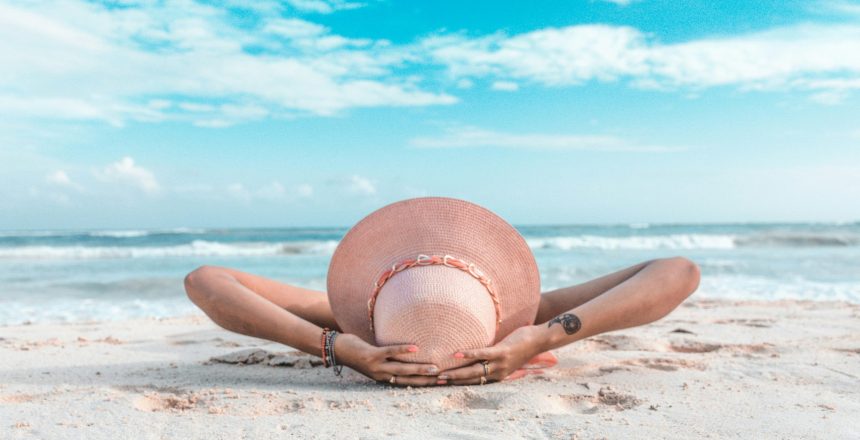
point(73, 276)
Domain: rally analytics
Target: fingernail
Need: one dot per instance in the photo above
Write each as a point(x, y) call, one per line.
point(413, 349)
point(442, 377)
point(441, 382)
point(432, 370)
point(458, 355)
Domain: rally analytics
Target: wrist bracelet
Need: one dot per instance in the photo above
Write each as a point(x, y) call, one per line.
point(331, 353)
point(323, 347)
point(327, 348)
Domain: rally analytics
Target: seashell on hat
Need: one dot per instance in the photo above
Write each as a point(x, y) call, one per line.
point(441, 273)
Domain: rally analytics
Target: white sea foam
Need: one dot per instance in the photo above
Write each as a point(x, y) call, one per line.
point(63, 310)
point(119, 234)
point(61, 280)
point(195, 248)
point(676, 241)
point(764, 288)
point(131, 233)
point(114, 233)
point(639, 225)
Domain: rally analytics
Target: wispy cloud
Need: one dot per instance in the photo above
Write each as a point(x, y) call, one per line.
point(194, 62)
point(471, 137)
point(505, 86)
point(126, 172)
point(323, 6)
point(617, 2)
point(139, 62)
point(305, 190)
point(803, 57)
point(61, 179)
point(353, 184)
point(360, 185)
point(840, 6)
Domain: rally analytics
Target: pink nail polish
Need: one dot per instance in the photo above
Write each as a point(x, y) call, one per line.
point(458, 355)
point(413, 349)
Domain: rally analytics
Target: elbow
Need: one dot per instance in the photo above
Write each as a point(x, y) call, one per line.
point(195, 281)
point(687, 274)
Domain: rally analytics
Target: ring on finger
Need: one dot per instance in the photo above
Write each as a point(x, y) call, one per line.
point(483, 380)
point(393, 379)
point(486, 365)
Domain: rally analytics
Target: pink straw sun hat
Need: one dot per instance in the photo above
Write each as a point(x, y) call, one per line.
point(442, 273)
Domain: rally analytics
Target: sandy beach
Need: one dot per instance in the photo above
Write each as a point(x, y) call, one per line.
point(712, 369)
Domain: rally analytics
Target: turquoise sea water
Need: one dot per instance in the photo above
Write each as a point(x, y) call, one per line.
point(60, 276)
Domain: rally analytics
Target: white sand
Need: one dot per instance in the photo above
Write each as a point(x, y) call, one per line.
point(749, 369)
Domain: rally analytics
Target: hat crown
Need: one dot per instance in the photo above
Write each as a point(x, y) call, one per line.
point(436, 308)
point(435, 226)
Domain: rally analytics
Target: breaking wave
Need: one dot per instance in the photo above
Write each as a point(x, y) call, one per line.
point(195, 248)
point(694, 241)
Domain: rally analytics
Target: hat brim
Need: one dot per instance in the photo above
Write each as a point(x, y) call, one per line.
point(432, 225)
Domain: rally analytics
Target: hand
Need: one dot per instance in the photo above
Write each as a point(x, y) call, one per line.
point(504, 358)
point(373, 361)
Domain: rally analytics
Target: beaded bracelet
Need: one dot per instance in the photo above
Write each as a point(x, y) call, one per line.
point(323, 347)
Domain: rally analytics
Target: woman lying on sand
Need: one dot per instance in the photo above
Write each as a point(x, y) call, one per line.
point(436, 291)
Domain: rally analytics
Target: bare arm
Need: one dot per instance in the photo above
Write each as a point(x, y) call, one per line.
point(261, 312)
point(633, 296)
point(649, 294)
point(310, 305)
point(560, 300)
point(256, 306)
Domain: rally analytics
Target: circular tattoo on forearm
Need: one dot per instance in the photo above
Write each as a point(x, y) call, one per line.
point(568, 321)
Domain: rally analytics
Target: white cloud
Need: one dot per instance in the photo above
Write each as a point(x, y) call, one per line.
point(550, 56)
point(464, 83)
point(802, 57)
point(505, 86)
point(310, 36)
point(830, 91)
point(618, 2)
point(293, 28)
point(323, 6)
point(191, 62)
point(305, 190)
point(829, 97)
point(360, 185)
point(840, 6)
point(238, 191)
point(60, 178)
point(137, 62)
point(59, 108)
point(126, 172)
point(470, 137)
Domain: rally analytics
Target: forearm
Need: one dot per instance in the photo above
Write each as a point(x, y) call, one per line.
point(237, 308)
point(310, 305)
point(649, 294)
point(561, 300)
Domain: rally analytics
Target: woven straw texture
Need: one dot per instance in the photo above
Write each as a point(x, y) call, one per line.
point(441, 309)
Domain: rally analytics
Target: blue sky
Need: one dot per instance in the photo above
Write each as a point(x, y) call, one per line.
point(133, 114)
